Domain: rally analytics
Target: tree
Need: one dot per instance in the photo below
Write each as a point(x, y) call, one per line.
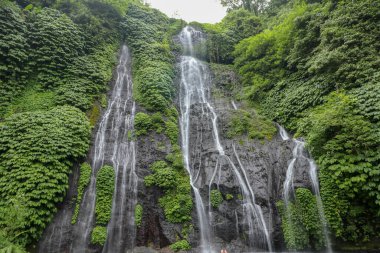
point(255, 6)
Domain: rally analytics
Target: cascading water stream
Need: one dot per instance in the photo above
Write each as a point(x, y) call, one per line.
point(194, 90)
point(288, 191)
point(112, 147)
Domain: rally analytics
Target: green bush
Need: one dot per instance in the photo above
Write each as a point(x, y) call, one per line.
point(252, 125)
point(138, 215)
point(171, 177)
point(13, 54)
point(56, 41)
point(172, 131)
point(301, 222)
point(37, 150)
point(216, 198)
point(346, 146)
point(314, 71)
point(99, 235)
point(32, 99)
point(180, 245)
point(105, 184)
point(223, 36)
point(165, 178)
point(176, 157)
point(147, 32)
point(229, 196)
point(84, 180)
point(143, 123)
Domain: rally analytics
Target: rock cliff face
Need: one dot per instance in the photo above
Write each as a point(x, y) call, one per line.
point(265, 164)
point(264, 161)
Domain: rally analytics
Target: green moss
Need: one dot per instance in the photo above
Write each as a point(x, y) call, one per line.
point(250, 124)
point(99, 235)
point(84, 180)
point(103, 100)
point(172, 131)
point(216, 198)
point(94, 114)
point(105, 181)
point(180, 245)
point(229, 196)
point(176, 157)
point(138, 215)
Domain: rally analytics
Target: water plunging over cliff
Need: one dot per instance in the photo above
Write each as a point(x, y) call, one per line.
point(195, 92)
point(288, 191)
point(112, 147)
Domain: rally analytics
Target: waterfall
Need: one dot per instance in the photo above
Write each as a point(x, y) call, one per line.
point(288, 191)
point(112, 147)
point(194, 90)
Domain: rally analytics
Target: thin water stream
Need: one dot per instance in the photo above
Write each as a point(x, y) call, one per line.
point(299, 152)
point(112, 147)
point(194, 90)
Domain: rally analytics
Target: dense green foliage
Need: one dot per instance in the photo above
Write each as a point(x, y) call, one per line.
point(138, 214)
point(223, 36)
point(250, 124)
point(13, 219)
point(84, 180)
point(216, 198)
point(99, 235)
point(316, 71)
point(53, 55)
point(301, 223)
point(172, 178)
point(148, 33)
point(180, 245)
point(37, 150)
point(105, 181)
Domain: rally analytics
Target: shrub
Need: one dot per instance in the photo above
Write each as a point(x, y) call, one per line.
point(105, 181)
point(143, 123)
point(172, 131)
point(301, 222)
point(180, 245)
point(37, 150)
point(252, 125)
point(99, 235)
point(84, 180)
point(138, 215)
point(216, 198)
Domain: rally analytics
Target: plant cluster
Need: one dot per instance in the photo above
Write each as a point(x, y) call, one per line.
point(223, 36)
point(315, 70)
point(84, 180)
point(99, 235)
point(171, 177)
point(148, 32)
point(105, 182)
point(301, 222)
point(216, 198)
point(37, 150)
point(138, 214)
point(56, 60)
point(250, 124)
point(180, 245)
